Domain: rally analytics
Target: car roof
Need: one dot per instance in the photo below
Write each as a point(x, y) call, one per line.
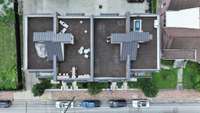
point(118, 100)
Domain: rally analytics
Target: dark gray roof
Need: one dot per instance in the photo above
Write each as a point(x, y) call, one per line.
point(183, 4)
point(117, 38)
point(128, 48)
point(129, 43)
point(54, 43)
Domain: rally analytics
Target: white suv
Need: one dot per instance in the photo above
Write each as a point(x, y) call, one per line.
point(140, 103)
point(64, 104)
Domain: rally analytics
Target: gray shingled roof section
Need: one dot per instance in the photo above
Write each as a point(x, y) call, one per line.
point(117, 38)
point(54, 48)
point(128, 48)
point(129, 43)
point(66, 38)
point(53, 43)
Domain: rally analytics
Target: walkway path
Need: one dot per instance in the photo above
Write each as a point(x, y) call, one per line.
point(180, 64)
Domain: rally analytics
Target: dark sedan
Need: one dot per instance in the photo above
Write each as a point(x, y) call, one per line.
point(5, 103)
point(135, 1)
point(117, 103)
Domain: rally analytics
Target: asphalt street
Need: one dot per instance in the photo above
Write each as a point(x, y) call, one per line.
point(49, 107)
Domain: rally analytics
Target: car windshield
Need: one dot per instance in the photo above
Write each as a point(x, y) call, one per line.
point(143, 104)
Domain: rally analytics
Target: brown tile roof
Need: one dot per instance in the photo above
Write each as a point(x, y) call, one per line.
point(183, 4)
point(182, 32)
point(171, 54)
point(182, 38)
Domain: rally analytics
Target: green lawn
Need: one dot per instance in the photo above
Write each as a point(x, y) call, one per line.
point(7, 52)
point(165, 79)
point(191, 71)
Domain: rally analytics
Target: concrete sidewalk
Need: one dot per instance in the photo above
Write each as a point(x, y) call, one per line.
point(6, 95)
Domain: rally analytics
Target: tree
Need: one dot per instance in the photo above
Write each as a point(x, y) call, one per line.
point(148, 87)
point(95, 87)
point(39, 88)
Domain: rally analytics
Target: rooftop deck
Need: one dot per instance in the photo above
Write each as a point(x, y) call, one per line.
point(107, 56)
point(40, 24)
point(78, 28)
point(147, 53)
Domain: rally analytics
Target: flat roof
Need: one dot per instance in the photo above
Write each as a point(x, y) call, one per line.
point(107, 56)
point(39, 24)
point(190, 18)
point(80, 28)
point(147, 53)
point(107, 61)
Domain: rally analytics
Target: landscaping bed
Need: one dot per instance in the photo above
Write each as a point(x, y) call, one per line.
point(191, 75)
point(165, 79)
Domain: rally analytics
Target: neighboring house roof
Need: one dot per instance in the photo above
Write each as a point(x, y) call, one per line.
point(182, 38)
point(182, 32)
point(129, 43)
point(171, 54)
point(187, 18)
point(183, 4)
point(54, 43)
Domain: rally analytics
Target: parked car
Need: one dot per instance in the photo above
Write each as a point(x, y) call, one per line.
point(5, 103)
point(64, 104)
point(118, 103)
point(140, 103)
point(135, 1)
point(90, 103)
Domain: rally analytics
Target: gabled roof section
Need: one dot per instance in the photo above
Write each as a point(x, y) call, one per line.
point(129, 43)
point(54, 43)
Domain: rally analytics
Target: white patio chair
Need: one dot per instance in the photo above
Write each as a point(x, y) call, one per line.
point(86, 56)
point(63, 30)
point(86, 51)
point(63, 24)
point(80, 51)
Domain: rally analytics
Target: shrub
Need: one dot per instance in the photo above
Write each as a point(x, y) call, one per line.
point(1, 1)
point(39, 88)
point(82, 85)
point(148, 87)
point(119, 84)
point(95, 87)
point(133, 84)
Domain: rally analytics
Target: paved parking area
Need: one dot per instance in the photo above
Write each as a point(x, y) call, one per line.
point(82, 6)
